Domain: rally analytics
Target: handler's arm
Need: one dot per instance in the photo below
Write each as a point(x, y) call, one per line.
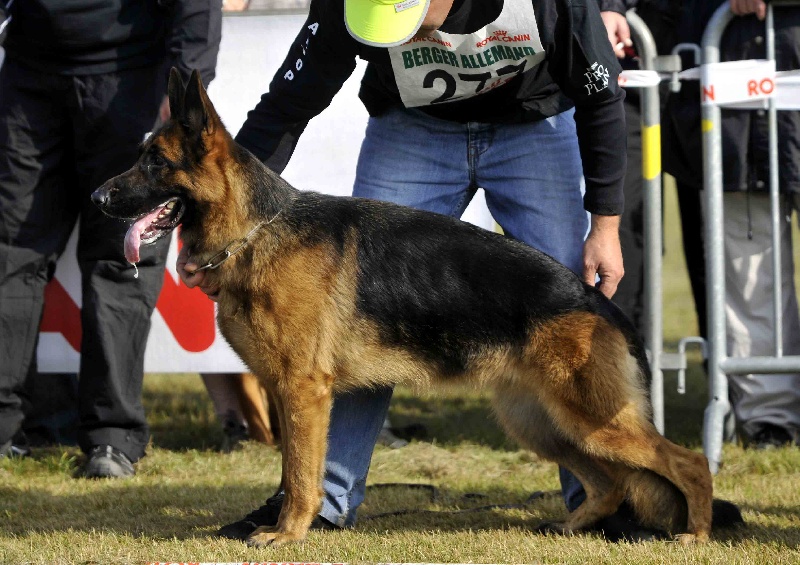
point(601, 136)
point(320, 60)
point(587, 72)
point(747, 7)
point(194, 38)
point(192, 43)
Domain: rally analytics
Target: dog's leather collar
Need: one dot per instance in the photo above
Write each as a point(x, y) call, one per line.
point(233, 247)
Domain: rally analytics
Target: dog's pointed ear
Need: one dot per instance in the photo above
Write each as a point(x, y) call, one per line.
point(176, 90)
point(199, 114)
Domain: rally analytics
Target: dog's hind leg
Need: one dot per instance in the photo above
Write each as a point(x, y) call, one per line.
point(306, 404)
point(685, 469)
point(593, 390)
point(647, 449)
point(527, 422)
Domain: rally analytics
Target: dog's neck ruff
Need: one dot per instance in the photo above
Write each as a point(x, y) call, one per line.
point(234, 247)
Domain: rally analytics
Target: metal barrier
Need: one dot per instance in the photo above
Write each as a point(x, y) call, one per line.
point(651, 186)
point(719, 364)
point(650, 110)
point(660, 360)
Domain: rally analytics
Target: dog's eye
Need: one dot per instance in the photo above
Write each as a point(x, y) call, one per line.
point(156, 162)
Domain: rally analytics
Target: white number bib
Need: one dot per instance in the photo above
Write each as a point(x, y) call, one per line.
point(447, 67)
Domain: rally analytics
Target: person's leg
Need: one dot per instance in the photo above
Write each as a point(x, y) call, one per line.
point(37, 215)
point(630, 292)
point(692, 230)
point(533, 179)
point(51, 409)
point(111, 115)
point(772, 401)
point(395, 165)
point(222, 390)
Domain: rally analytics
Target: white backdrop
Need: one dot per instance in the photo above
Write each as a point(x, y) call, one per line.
point(184, 338)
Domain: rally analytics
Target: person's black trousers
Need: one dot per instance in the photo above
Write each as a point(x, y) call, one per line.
point(60, 138)
point(630, 292)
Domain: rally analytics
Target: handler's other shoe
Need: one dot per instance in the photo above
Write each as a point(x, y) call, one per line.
point(389, 439)
point(769, 436)
point(266, 515)
point(16, 447)
point(106, 462)
point(233, 434)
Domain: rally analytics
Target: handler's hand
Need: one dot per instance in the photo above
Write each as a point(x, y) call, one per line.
point(619, 32)
point(191, 277)
point(602, 254)
point(746, 7)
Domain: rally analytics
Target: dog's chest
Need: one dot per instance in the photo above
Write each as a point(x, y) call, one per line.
point(256, 346)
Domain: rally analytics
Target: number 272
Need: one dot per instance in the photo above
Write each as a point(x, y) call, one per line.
point(481, 79)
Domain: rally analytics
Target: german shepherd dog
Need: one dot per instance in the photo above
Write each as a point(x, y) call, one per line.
point(320, 294)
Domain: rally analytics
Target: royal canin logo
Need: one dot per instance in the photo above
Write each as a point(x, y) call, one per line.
point(502, 35)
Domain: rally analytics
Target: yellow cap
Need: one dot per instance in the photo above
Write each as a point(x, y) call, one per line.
point(384, 23)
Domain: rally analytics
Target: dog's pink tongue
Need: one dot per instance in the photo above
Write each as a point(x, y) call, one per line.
point(133, 239)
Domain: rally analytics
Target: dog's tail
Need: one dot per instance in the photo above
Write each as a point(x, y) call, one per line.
point(657, 503)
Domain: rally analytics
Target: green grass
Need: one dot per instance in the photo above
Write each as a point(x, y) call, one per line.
point(184, 489)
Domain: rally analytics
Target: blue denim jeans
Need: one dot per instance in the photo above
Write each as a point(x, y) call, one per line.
point(532, 177)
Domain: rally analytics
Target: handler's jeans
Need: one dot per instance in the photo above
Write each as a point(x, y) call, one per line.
point(60, 138)
point(532, 177)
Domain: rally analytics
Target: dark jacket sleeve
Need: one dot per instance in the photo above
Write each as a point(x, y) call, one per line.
point(618, 6)
point(319, 61)
point(194, 37)
point(603, 145)
point(584, 66)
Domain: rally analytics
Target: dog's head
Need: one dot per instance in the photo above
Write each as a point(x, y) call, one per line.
point(162, 189)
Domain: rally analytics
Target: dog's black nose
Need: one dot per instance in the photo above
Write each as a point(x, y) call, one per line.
point(100, 197)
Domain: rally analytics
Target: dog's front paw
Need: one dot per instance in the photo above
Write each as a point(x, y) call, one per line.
point(552, 528)
point(689, 539)
point(270, 535)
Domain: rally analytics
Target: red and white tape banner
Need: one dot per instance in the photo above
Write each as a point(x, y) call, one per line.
point(737, 82)
point(745, 85)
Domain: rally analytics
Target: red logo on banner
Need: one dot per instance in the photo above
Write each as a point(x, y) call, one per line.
point(188, 314)
point(61, 314)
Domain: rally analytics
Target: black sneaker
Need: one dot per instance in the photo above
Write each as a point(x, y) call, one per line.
point(106, 462)
point(18, 446)
point(267, 515)
point(233, 434)
point(769, 436)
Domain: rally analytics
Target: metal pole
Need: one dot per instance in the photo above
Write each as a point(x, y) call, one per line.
point(718, 406)
point(651, 185)
point(774, 197)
